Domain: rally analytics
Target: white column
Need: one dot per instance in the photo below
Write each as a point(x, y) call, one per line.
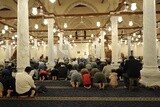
point(7, 57)
point(23, 58)
point(35, 49)
point(150, 75)
point(102, 33)
point(61, 45)
point(135, 50)
point(50, 43)
point(114, 25)
point(129, 45)
point(61, 41)
point(97, 48)
point(44, 48)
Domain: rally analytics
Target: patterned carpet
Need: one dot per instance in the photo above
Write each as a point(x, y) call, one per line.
point(61, 94)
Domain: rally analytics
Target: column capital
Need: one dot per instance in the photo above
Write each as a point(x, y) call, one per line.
point(114, 19)
point(102, 32)
point(51, 20)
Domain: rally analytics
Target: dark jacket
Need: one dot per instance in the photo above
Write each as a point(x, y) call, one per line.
point(132, 68)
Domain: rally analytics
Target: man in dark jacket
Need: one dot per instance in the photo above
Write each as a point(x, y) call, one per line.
point(132, 69)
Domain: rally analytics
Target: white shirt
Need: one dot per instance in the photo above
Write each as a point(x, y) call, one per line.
point(107, 70)
point(23, 82)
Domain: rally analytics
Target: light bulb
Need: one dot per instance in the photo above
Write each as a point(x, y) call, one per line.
point(65, 25)
point(52, 1)
point(34, 11)
point(45, 21)
point(92, 35)
point(70, 36)
point(133, 6)
point(3, 31)
point(130, 23)
point(6, 27)
point(54, 30)
point(109, 28)
point(98, 24)
point(36, 26)
point(120, 19)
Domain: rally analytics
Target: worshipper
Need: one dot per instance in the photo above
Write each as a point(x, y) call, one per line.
point(41, 65)
point(107, 70)
point(132, 69)
point(6, 79)
point(63, 71)
point(113, 79)
point(99, 79)
point(89, 67)
point(76, 78)
point(86, 78)
point(54, 73)
point(25, 84)
point(43, 74)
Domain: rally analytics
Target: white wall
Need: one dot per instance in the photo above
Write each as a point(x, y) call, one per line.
point(81, 50)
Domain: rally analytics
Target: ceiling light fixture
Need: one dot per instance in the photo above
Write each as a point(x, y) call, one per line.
point(3, 31)
point(6, 27)
point(92, 35)
point(52, 1)
point(34, 11)
point(65, 25)
point(98, 24)
point(81, 19)
point(54, 30)
point(120, 19)
point(109, 28)
point(45, 21)
point(36, 26)
point(133, 6)
point(70, 36)
point(130, 23)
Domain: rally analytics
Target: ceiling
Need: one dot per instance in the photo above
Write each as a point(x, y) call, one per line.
point(80, 15)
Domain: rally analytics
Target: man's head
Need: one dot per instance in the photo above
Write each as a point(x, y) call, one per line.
point(28, 69)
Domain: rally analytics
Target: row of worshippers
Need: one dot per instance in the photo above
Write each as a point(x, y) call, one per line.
point(87, 75)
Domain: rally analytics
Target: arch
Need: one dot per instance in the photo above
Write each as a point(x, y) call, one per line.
point(89, 5)
point(8, 7)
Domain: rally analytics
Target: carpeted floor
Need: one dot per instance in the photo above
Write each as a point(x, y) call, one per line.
point(61, 94)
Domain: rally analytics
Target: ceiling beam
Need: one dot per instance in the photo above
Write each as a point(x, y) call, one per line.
point(81, 29)
point(102, 1)
point(15, 1)
point(44, 8)
point(78, 15)
point(59, 3)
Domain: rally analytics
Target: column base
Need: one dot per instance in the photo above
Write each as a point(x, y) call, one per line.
point(150, 76)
